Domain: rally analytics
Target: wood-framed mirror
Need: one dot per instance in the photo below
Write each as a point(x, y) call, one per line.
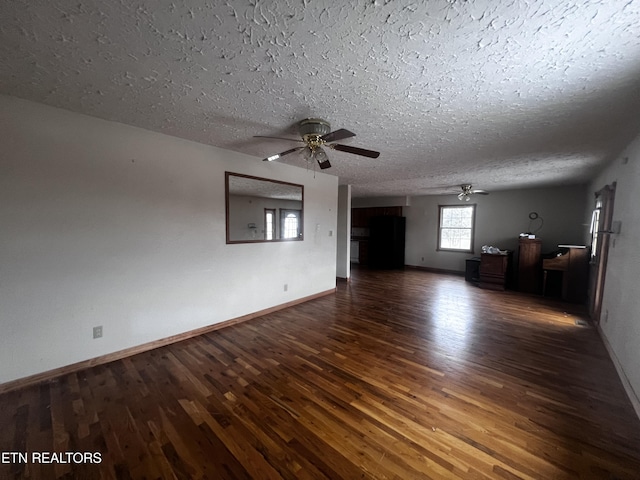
point(262, 210)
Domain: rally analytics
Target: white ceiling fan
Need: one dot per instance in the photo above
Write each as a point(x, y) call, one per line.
point(467, 191)
point(316, 134)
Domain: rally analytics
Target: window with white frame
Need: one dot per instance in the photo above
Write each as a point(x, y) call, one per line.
point(456, 228)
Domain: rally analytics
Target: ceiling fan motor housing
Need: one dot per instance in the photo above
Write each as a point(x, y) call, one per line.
point(314, 126)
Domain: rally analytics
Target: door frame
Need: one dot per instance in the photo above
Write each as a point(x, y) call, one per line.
point(601, 236)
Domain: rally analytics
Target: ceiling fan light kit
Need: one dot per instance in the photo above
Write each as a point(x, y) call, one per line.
point(316, 134)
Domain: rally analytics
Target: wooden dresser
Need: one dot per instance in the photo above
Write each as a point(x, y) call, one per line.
point(495, 270)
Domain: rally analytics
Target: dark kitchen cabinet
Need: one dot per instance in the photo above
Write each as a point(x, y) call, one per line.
point(360, 217)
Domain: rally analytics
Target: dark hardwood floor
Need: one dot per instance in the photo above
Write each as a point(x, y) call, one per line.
point(401, 374)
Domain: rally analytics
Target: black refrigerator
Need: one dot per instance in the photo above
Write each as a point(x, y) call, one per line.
point(386, 242)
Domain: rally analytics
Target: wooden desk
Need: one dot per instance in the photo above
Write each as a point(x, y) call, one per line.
point(573, 263)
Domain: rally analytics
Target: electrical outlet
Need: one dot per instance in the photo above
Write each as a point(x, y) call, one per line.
point(286, 287)
point(97, 332)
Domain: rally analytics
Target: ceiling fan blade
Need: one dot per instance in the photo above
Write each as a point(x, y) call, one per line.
point(356, 150)
point(279, 138)
point(337, 135)
point(480, 192)
point(278, 155)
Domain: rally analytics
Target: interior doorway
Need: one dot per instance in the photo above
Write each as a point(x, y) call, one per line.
point(601, 222)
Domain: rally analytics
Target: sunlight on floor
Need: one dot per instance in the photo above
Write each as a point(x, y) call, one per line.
point(453, 317)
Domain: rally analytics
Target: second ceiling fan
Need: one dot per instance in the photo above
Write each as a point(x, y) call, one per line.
point(317, 135)
point(467, 191)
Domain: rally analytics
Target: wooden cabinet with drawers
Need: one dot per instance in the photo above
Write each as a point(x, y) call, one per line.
point(495, 270)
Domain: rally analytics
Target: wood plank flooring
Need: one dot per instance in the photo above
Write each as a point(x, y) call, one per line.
point(401, 374)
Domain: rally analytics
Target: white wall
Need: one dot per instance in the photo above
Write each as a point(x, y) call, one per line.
point(106, 224)
point(500, 218)
point(620, 319)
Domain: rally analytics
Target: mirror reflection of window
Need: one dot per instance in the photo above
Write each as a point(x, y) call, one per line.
point(259, 202)
point(290, 226)
point(290, 223)
point(269, 223)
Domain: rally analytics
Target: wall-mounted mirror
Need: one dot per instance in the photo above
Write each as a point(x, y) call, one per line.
point(262, 210)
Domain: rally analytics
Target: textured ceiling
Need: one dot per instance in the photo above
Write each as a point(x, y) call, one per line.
point(499, 94)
